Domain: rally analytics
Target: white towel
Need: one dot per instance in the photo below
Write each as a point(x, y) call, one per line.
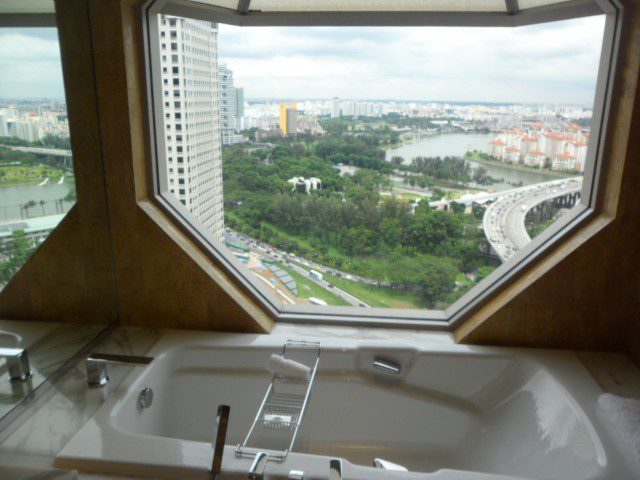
point(624, 414)
point(287, 368)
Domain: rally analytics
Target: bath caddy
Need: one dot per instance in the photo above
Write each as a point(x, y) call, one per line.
point(285, 401)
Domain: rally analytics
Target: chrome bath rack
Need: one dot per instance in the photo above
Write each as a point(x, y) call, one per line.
point(285, 402)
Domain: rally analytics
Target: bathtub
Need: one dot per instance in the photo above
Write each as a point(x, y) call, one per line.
point(453, 412)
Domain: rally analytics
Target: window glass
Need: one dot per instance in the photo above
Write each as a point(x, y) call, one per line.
point(379, 5)
point(37, 184)
point(523, 4)
point(378, 166)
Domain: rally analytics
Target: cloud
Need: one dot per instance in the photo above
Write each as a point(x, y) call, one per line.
point(30, 64)
point(553, 62)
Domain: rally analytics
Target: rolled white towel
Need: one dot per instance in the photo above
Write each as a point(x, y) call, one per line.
point(284, 367)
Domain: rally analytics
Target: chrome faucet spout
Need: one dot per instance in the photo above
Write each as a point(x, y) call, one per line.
point(256, 470)
point(17, 363)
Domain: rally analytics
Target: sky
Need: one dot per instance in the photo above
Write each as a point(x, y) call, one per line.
point(549, 63)
point(30, 64)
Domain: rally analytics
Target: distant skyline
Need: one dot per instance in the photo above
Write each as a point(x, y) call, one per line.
point(553, 63)
point(548, 63)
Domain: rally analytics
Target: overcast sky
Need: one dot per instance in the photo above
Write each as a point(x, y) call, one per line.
point(554, 62)
point(30, 63)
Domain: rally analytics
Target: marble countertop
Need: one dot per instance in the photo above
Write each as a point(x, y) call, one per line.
point(36, 442)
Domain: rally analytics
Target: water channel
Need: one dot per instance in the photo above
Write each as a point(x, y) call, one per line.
point(457, 144)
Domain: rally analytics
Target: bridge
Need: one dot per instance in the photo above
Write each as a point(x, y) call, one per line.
point(54, 152)
point(504, 220)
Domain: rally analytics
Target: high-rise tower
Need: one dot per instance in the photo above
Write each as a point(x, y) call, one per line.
point(189, 64)
point(288, 119)
point(228, 104)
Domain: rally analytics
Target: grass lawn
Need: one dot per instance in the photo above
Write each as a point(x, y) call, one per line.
point(385, 297)
point(17, 175)
point(306, 289)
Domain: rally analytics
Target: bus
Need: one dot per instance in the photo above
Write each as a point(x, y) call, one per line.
point(316, 275)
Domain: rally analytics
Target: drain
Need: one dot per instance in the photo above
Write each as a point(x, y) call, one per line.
point(145, 398)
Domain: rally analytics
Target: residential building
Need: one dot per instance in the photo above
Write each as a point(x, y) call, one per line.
point(563, 162)
point(335, 108)
point(535, 158)
point(231, 104)
point(192, 118)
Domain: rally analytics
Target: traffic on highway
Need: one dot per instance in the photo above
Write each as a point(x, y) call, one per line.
point(504, 219)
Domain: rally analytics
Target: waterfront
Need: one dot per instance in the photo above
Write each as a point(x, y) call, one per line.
point(456, 145)
point(12, 197)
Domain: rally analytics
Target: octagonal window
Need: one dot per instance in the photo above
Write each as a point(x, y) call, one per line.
point(386, 165)
point(37, 186)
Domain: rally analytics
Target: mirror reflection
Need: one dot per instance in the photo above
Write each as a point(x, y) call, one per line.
point(37, 190)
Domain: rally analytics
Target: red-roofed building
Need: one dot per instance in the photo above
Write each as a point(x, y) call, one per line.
point(563, 162)
point(535, 158)
point(497, 148)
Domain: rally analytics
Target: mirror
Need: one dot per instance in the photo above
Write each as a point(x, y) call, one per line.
point(67, 276)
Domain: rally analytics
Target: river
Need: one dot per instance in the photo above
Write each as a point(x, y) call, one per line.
point(456, 145)
point(11, 197)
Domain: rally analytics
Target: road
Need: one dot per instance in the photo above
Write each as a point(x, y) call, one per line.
point(504, 220)
point(43, 151)
point(347, 297)
point(273, 254)
point(492, 196)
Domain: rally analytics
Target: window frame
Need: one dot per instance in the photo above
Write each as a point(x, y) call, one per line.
point(502, 276)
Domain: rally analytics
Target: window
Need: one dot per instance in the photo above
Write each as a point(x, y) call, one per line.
point(385, 173)
point(37, 186)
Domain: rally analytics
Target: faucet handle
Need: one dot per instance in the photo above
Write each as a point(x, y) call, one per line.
point(222, 420)
point(17, 363)
point(256, 470)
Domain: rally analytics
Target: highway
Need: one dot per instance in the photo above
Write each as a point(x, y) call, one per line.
point(356, 302)
point(504, 220)
point(291, 262)
point(43, 151)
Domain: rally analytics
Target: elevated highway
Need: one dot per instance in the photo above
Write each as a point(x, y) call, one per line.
point(54, 152)
point(504, 220)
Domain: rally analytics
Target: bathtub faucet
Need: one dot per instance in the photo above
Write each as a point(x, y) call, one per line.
point(97, 366)
point(17, 363)
point(256, 470)
point(222, 420)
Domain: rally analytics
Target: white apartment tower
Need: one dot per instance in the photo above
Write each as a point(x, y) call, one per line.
point(189, 63)
point(228, 104)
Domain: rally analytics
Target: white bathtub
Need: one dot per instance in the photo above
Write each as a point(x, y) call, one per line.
point(454, 412)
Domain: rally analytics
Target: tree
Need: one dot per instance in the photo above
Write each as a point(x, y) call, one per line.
point(21, 249)
point(396, 160)
point(483, 272)
point(457, 207)
point(436, 283)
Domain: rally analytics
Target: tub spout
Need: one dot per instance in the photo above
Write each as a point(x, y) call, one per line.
point(335, 469)
point(256, 470)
